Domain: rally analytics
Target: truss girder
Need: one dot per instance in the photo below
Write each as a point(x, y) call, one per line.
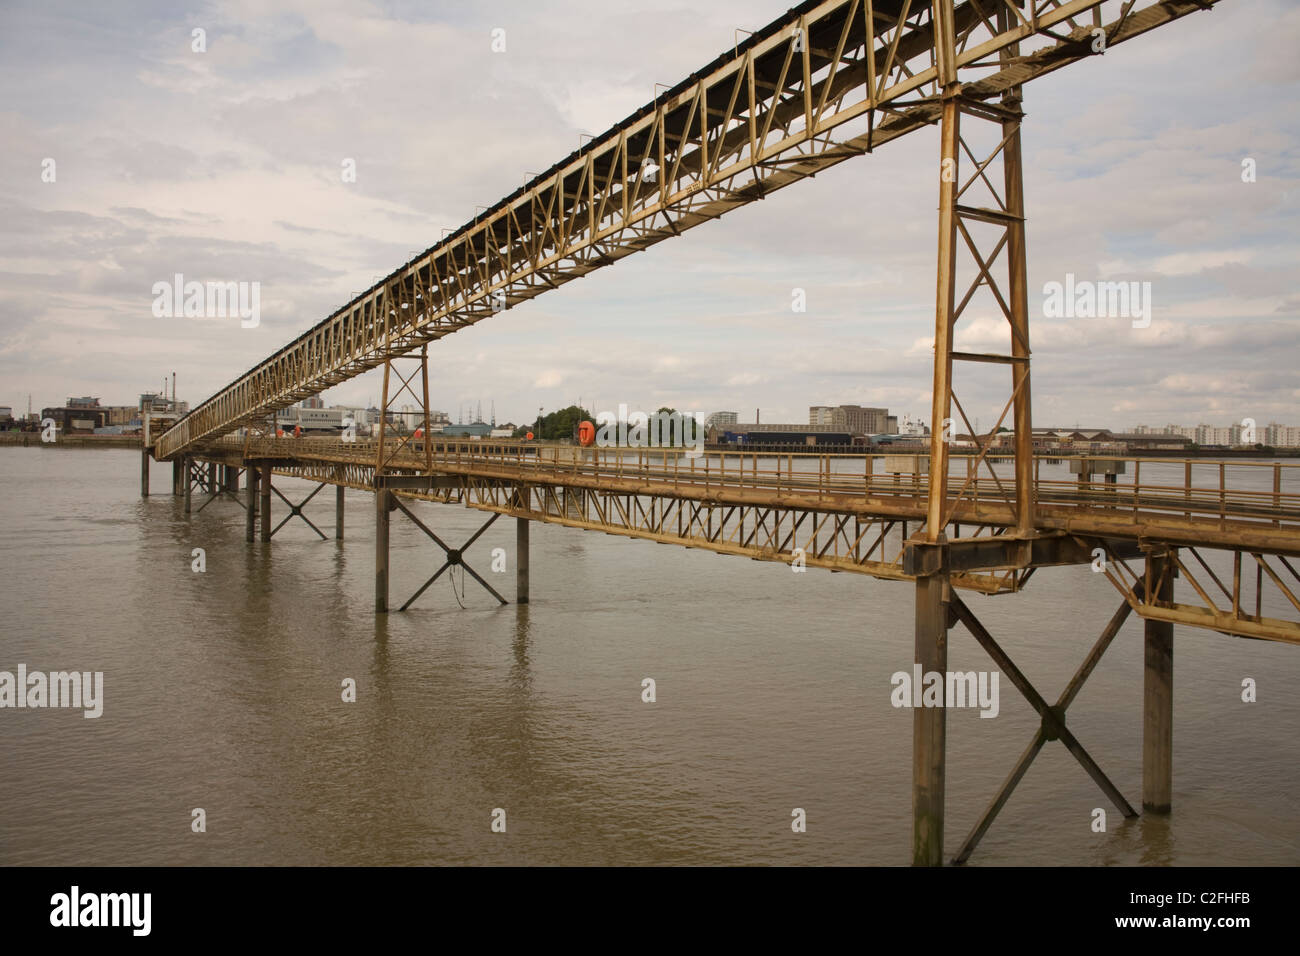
point(1212, 516)
point(1233, 606)
point(857, 525)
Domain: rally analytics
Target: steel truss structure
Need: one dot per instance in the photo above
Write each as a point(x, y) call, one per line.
point(806, 511)
point(826, 82)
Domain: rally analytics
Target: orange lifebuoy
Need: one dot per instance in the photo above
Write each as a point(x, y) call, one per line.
point(529, 436)
point(586, 434)
point(279, 433)
point(419, 433)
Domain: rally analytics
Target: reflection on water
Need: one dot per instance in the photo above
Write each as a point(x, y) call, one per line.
point(223, 690)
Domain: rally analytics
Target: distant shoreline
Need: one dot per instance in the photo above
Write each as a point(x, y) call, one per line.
point(842, 451)
point(27, 439)
point(23, 439)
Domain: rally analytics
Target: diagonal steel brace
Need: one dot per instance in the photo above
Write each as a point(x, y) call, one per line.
point(455, 556)
point(220, 492)
point(1053, 719)
point(296, 509)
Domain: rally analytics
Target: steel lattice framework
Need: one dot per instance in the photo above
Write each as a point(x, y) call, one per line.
point(852, 517)
point(827, 81)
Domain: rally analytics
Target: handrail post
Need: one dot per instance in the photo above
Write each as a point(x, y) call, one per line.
point(1137, 482)
point(1223, 516)
point(1277, 491)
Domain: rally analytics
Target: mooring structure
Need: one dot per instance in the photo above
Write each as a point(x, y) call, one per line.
point(824, 83)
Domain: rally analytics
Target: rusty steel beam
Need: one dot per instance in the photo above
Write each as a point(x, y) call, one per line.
point(1008, 551)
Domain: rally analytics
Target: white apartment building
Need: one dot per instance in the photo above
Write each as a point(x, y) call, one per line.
point(1274, 434)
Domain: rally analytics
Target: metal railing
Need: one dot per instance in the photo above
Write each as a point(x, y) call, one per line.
point(1262, 492)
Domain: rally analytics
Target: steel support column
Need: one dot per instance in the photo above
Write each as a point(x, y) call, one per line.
point(250, 516)
point(383, 508)
point(144, 472)
point(944, 307)
point(187, 467)
point(1158, 693)
point(1017, 289)
point(929, 724)
point(265, 507)
point(338, 512)
point(521, 560)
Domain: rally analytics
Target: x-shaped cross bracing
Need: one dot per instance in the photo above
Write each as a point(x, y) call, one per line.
point(455, 556)
point(1053, 718)
point(296, 509)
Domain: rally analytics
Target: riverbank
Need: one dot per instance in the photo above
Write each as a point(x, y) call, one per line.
point(71, 441)
point(912, 448)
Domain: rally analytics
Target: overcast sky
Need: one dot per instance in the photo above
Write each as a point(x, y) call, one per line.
point(225, 165)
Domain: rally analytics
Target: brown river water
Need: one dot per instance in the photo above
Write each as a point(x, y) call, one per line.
point(222, 691)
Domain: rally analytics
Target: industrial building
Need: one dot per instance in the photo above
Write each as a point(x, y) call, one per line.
point(784, 435)
point(854, 419)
